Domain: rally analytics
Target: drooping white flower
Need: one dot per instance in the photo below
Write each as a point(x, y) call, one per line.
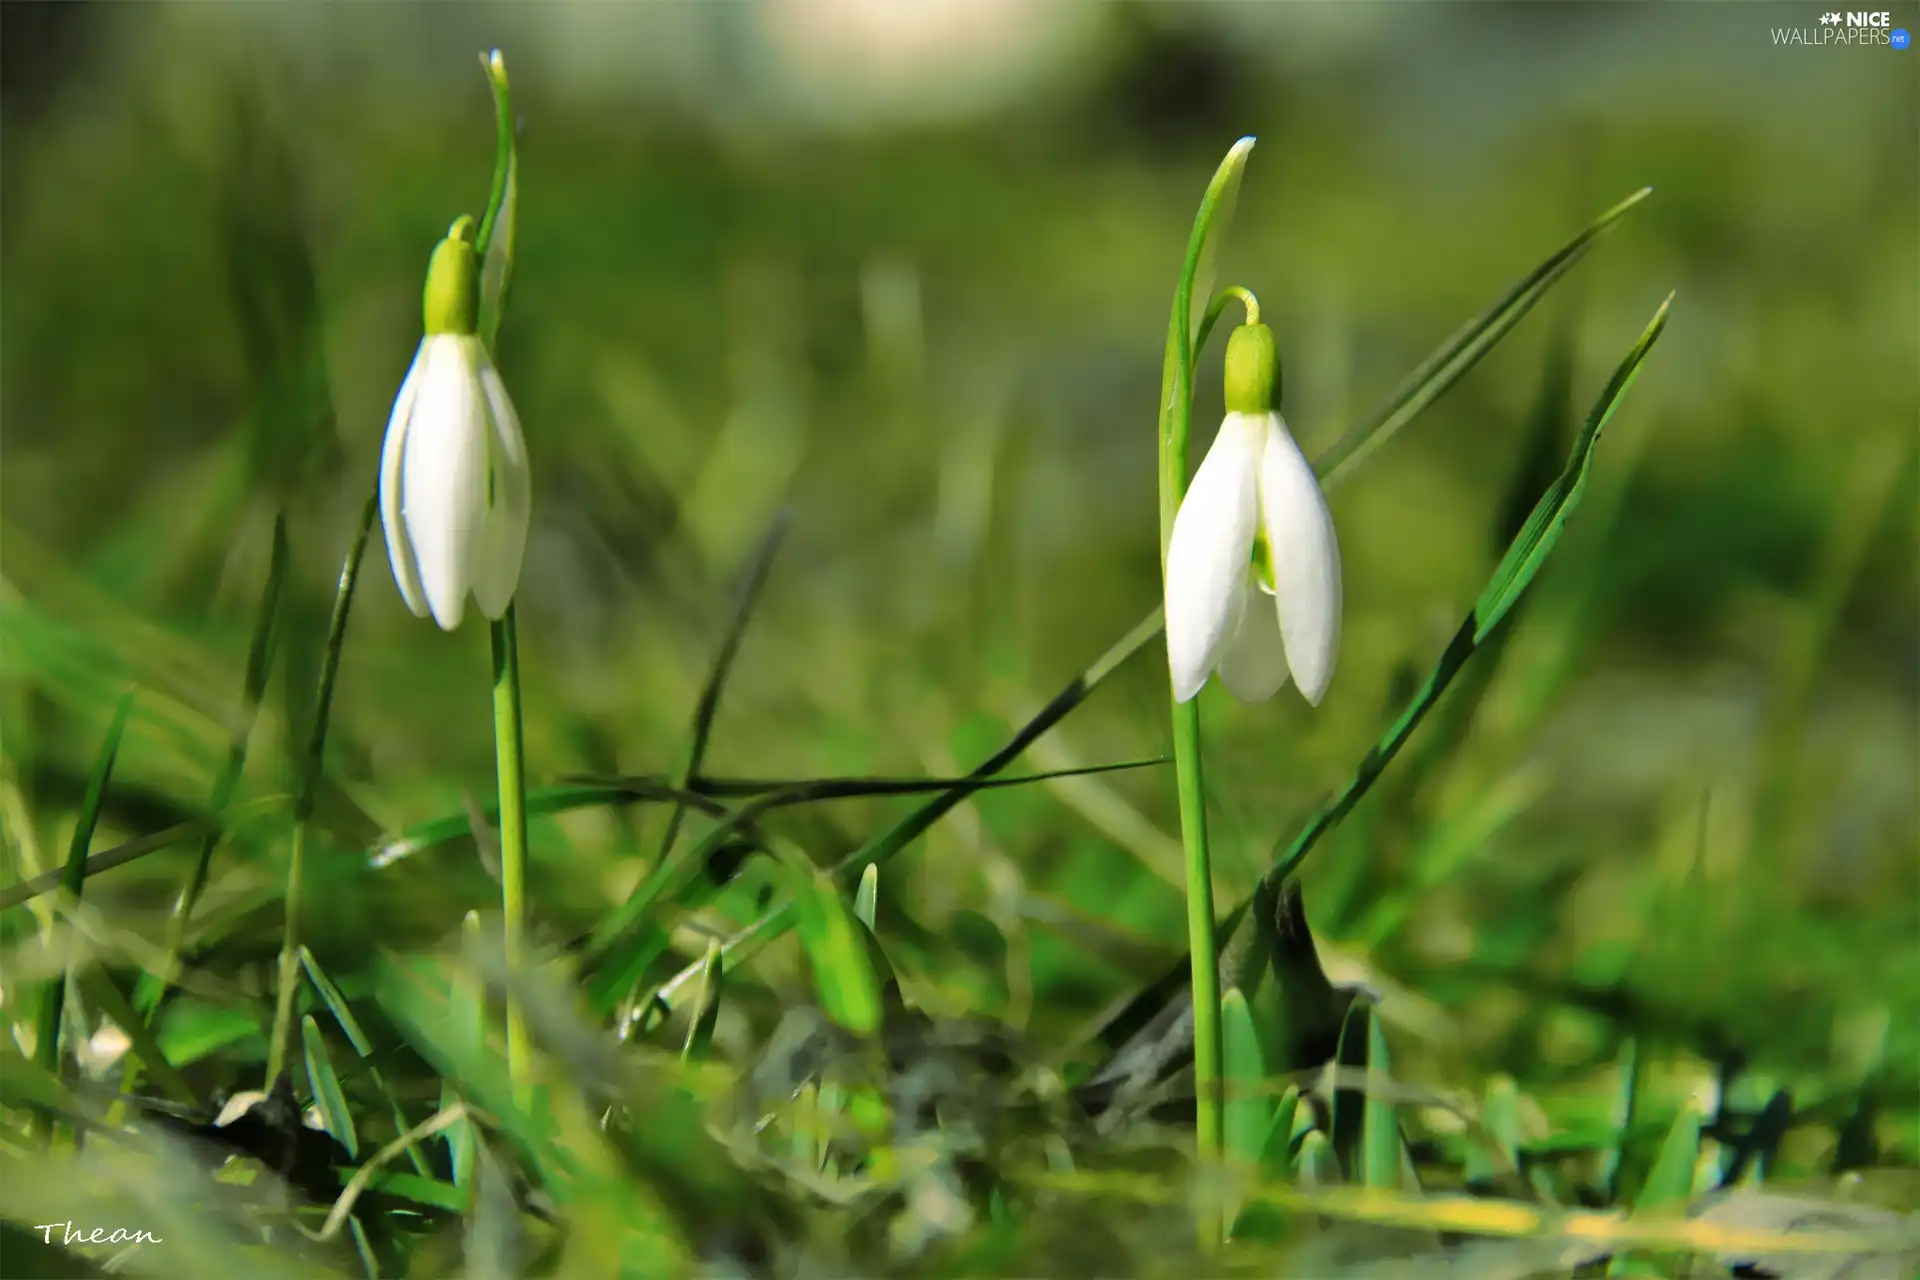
point(1253, 543)
point(455, 491)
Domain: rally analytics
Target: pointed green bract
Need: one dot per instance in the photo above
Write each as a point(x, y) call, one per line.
point(451, 301)
point(497, 225)
point(866, 898)
point(837, 953)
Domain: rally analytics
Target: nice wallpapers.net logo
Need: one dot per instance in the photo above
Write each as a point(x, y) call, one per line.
point(1847, 30)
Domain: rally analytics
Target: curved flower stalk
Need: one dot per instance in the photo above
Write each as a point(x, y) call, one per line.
point(455, 490)
point(1253, 526)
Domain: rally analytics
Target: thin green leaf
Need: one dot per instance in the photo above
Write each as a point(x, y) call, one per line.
point(467, 1019)
point(1670, 1182)
point(252, 689)
point(310, 765)
point(742, 946)
point(1276, 1153)
point(1380, 1163)
point(1496, 1154)
point(364, 1247)
point(624, 947)
point(1667, 1190)
point(421, 1189)
point(1510, 579)
point(1544, 527)
point(1249, 1108)
point(1349, 1099)
point(53, 993)
point(1625, 1113)
point(336, 1003)
point(706, 1008)
point(327, 1094)
point(1439, 371)
point(708, 704)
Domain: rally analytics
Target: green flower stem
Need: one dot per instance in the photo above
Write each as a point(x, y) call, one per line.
point(1176, 421)
point(508, 742)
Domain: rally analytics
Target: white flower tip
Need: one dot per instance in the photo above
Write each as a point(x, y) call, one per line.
point(1315, 689)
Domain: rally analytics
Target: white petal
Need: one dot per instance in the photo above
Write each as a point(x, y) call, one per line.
point(444, 475)
point(1253, 665)
point(406, 572)
point(503, 534)
point(1207, 556)
point(1306, 561)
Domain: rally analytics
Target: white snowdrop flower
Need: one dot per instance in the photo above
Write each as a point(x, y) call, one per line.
point(1252, 527)
point(455, 491)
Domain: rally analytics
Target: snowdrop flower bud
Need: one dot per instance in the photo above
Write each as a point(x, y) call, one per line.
point(455, 492)
point(1253, 524)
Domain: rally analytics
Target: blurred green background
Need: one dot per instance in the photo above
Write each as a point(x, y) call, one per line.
point(903, 271)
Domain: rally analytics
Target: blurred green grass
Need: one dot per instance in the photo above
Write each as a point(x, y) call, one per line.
point(1680, 814)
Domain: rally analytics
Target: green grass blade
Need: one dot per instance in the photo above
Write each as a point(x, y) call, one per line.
point(467, 1022)
point(1543, 528)
point(310, 766)
point(327, 1094)
point(1496, 1154)
point(1248, 1108)
point(1461, 352)
point(107, 860)
point(307, 771)
point(1613, 1171)
point(330, 995)
point(623, 946)
point(53, 994)
point(1670, 1181)
point(1667, 1190)
point(706, 1008)
point(1349, 1098)
point(336, 1003)
point(1380, 1164)
point(708, 704)
point(1510, 579)
point(742, 946)
point(252, 689)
